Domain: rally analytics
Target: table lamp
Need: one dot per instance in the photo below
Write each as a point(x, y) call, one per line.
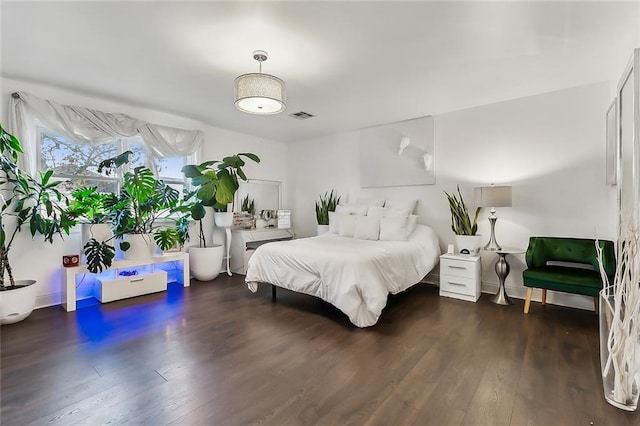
point(493, 196)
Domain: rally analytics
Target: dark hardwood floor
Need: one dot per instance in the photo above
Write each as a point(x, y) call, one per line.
point(215, 353)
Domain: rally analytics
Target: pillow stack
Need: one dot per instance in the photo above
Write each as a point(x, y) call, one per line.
point(369, 220)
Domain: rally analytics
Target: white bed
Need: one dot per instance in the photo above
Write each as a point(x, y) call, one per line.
point(352, 274)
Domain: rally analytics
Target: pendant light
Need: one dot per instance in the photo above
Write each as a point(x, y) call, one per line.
point(258, 93)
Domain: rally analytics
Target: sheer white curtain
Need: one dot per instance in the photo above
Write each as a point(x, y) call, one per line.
point(89, 126)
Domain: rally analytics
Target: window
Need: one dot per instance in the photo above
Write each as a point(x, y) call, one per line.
point(78, 163)
point(170, 171)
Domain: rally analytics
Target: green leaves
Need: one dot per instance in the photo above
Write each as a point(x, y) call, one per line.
point(248, 205)
point(166, 238)
point(99, 255)
point(461, 223)
point(89, 205)
point(9, 145)
point(197, 211)
point(191, 171)
point(327, 203)
point(218, 180)
point(141, 184)
point(226, 187)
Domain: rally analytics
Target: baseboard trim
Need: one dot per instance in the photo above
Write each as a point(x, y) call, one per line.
point(553, 298)
point(47, 300)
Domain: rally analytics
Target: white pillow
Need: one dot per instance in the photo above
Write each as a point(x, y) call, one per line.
point(387, 212)
point(367, 228)
point(375, 211)
point(393, 229)
point(402, 205)
point(370, 202)
point(411, 224)
point(360, 210)
point(347, 225)
point(351, 209)
point(334, 222)
point(344, 209)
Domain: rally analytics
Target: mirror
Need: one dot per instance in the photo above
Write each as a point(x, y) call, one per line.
point(629, 145)
point(264, 193)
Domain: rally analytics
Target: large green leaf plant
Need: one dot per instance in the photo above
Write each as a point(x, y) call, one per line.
point(216, 183)
point(145, 205)
point(27, 201)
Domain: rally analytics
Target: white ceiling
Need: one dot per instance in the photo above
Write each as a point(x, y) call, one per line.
point(352, 64)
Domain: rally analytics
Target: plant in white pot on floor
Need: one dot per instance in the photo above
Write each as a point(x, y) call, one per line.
point(216, 183)
point(462, 225)
point(326, 205)
point(26, 202)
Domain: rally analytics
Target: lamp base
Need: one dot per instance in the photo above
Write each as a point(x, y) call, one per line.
point(492, 245)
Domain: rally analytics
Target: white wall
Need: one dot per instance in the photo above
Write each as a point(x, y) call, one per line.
point(549, 147)
point(34, 259)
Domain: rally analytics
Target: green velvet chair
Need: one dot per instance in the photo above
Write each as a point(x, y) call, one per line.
point(566, 277)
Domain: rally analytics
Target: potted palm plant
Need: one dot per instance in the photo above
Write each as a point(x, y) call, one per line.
point(327, 204)
point(462, 225)
point(30, 202)
point(216, 183)
point(147, 212)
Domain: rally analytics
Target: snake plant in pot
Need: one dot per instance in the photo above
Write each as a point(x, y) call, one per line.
point(462, 224)
point(216, 183)
point(147, 212)
point(34, 203)
point(326, 205)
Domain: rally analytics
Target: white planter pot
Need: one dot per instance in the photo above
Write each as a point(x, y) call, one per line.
point(223, 219)
point(18, 303)
point(322, 229)
point(142, 246)
point(205, 262)
point(469, 242)
point(619, 352)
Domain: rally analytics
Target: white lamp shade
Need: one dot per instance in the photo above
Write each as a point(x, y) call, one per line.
point(258, 93)
point(493, 196)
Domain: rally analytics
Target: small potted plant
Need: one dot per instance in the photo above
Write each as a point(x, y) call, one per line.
point(216, 183)
point(248, 205)
point(30, 202)
point(462, 225)
point(324, 206)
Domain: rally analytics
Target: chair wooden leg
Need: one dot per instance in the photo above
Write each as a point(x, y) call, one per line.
point(544, 296)
point(527, 302)
point(595, 304)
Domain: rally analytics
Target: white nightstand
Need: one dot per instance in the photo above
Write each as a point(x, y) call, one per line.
point(460, 277)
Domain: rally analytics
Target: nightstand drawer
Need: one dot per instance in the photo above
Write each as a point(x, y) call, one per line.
point(458, 268)
point(458, 285)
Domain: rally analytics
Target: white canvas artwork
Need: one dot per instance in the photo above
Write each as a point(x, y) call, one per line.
point(398, 154)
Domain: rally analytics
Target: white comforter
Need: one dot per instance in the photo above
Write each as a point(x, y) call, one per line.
point(352, 274)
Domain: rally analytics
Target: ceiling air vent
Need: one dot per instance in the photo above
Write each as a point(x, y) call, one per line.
point(301, 115)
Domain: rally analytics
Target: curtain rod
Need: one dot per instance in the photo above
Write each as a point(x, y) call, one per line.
point(15, 95)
